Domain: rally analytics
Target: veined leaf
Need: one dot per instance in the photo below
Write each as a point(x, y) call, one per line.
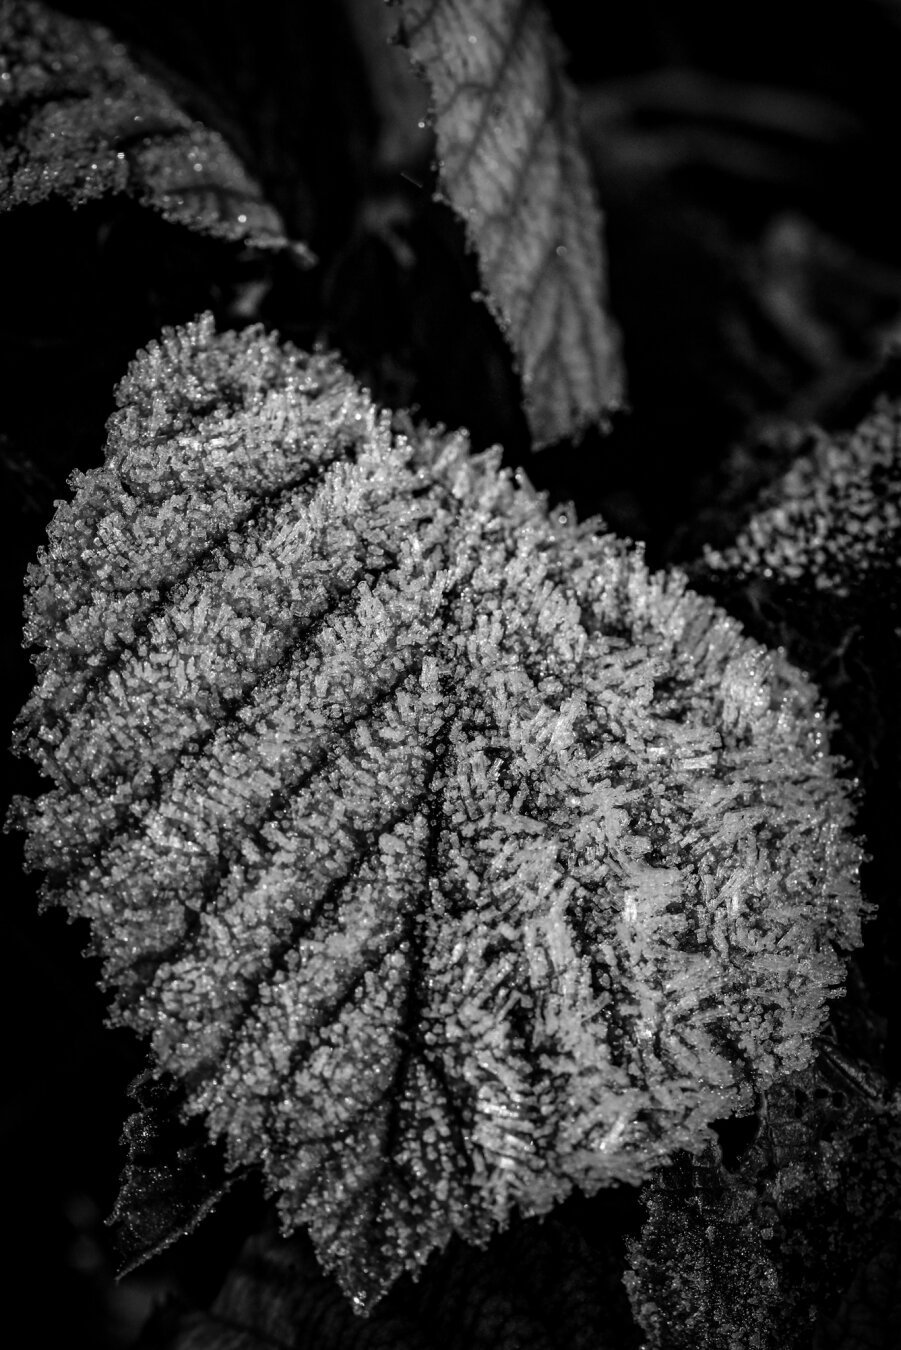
point(448, 857)
point(78, 119)
point(511, 165)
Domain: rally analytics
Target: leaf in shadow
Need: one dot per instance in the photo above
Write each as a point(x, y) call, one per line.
point(538, 1287)
point(869, 1316)
point(751, 1255)
point(738, 293)
point(78, 119)
point(447, 856)
point(277, 1296)
point(511, 165)
point(173, 1179)
point(832, 523)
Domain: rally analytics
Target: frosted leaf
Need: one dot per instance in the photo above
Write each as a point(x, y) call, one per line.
point(448, 857)
point(834, 519)
point(512, 167)
point(80, 120)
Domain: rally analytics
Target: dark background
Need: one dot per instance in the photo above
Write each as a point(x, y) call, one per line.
point(746, 161)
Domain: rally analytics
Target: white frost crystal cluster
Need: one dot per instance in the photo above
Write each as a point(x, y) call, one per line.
point(447, 856)
point(833, 522)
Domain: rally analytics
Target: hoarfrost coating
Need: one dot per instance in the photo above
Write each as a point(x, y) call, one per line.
point(449, 857)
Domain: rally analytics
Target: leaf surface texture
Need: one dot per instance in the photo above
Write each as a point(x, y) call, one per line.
point(448, 857)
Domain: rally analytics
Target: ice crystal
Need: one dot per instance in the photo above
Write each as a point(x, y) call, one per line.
point(834, 519)
point(80, 120)
point(511, 165)
point(447, 856)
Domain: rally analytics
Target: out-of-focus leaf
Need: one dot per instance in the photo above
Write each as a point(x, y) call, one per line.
point(832, 523)
point(78, 119)
point(752, 1256)
point(738, 298)
point(869, 1317)
point(511, 165)
point(174, 1177)
point(447, 856)
point(277, 1298)
point(538, 1287)
point(400, 99)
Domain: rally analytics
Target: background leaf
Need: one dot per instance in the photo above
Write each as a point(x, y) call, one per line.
point(536, 1287)
point(449, 858)
point(173, 1177)
point(756, 1253)
point(511, 165)
point(832, 522)
point(78, 119)
point(816, 570)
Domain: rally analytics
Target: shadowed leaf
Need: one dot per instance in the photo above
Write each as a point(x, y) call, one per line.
point(173, 1177)
point(752, 1256)
point(511, 165)
point(446, 855)
point(537, 1287)
point(869, 1316)
point(78, 119)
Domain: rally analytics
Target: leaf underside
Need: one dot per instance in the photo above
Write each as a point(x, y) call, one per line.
point(511, 165)
point(78, 119)
point(446, 856)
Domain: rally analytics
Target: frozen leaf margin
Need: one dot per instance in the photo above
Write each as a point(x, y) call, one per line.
point(78, 119)
point(446, 856)
point(511, 165)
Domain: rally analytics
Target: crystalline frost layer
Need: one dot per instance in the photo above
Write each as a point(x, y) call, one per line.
point(80, 120)
point(448, 856)
point(833, 522)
